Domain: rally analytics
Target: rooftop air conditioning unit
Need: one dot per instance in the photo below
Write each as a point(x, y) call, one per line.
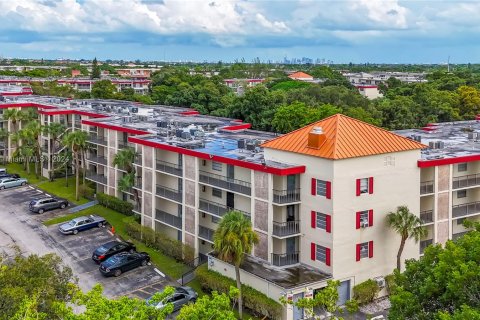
point(380, 281)
point(364, 223)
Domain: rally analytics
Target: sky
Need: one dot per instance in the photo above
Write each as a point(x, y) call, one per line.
point(342, 31)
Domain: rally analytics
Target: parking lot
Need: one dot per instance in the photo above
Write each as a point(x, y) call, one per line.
point(24, 229)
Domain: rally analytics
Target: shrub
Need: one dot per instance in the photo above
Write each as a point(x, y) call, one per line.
point(156, 240)
point(116, 204)
point(391, 284)
point(252, 299)
point(86, 192)
point(366, 291)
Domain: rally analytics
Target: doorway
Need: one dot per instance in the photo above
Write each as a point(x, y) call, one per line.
point(230, 200)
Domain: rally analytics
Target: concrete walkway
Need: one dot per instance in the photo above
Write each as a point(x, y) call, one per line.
point(83, 206)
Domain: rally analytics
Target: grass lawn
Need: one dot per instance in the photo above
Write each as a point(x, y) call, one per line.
point(168, 265)
point(57, 187)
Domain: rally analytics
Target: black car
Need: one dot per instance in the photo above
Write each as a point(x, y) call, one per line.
point(121, 262)
point(111, 248)
point(49, 203)
point(9, 175)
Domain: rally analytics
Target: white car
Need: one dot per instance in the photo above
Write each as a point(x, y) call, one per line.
point(12, 182)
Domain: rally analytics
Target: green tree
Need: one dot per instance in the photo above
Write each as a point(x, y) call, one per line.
point(14, 116)
point(95, 69)
point(103, 89)
point(233, 239)
point(408, 226)
point(469, 101)
point(77, 142)
point(218, 306)
point(444, 284)
point(124, 159)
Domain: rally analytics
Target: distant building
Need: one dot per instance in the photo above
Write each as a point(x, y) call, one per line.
point(301, 76)
point(143, 73)
point(76, 73)
point(369, 91)
point(239, 85)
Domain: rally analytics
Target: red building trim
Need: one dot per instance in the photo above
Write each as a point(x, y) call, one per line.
point(441, 162)
point(190, 113)
point(201, 155)
point(237, 127)
point(15, 93)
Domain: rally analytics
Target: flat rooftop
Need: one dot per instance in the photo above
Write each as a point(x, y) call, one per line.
point(447, 139)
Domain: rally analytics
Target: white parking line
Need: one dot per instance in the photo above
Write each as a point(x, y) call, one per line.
point(110, 232)
point(159, 272)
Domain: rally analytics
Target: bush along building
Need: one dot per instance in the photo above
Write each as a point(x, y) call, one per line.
point(317, 197)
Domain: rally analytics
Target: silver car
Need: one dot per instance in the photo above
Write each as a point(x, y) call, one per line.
point(81, 224)
point(12, 182)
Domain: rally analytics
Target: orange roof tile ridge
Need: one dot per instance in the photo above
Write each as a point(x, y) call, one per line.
point(335, 134)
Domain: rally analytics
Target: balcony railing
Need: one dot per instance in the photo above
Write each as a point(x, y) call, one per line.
point(169, 167)
point(283, 229)
point(424, 244)
point(206, 233)
point(169, 193)
point(77, 125)
point(96, 139)
point(284, 259)
point(98, 159)
point(226, 183)
point(168, 218)
point(286, 196)
point(217, 208)
point(100, 178)
point(138, 159)
point(465, 209)
point(426, 187)
point(466, 181)
point(426, 216)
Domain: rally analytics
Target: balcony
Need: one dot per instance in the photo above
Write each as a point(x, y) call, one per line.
point(426, 187)
point(206, 233)
point(225, 182)
point(286, 196)
point(426, 216)
point(169, 167)
point(138, 159)
point(98, 159)
point(77, 125)
point(100, 178)
point(284, 259)
point(458, 235)
point(169, 219)
point(172, 194)
point(466, 181)
point(217, 209)
point(283, 229)
point(96, 139)
point(465, 209)
point(424, 244)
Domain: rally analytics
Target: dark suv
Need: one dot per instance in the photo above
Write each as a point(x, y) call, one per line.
point(44, 204)
point(9, 175)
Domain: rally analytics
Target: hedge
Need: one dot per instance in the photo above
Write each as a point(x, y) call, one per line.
point(254, 300)
point(366, 291)
point(86, 192)
point(116, 204)
point(391, 284)
point(156, 240)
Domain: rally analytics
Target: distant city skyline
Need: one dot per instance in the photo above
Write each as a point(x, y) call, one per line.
point(375, 31)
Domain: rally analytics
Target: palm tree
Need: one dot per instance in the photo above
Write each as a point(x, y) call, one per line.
point(233, 239)
point(31, 134)
point(54, 129)
point(14, 115)
point(4, 143)
point(77, 141)
point(407, 225)
point(26, 152)
point(124, 159)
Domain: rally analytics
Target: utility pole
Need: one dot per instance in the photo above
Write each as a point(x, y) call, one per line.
point(448, 64)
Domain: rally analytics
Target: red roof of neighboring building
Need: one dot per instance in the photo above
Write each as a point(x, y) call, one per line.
point(300, 75)
point(345, 138)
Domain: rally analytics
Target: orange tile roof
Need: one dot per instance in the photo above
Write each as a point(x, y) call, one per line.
point(299, 74)
point(345, 138)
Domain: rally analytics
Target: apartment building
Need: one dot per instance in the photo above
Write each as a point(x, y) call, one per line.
point(317, 197)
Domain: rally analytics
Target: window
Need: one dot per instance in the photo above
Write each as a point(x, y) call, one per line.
point(217, 166)
point(364, 185)
point(321, 188)
point(462, 167)
point(461, 194)
point(364, 250)
point(216, 192)
point(389, 161)
point(460, 221)
point(215, 219)
point(321, 254)
point(364, 219)
point(321, 221)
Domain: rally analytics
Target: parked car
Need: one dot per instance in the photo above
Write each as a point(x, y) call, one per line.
point(12, 182)
point(122, 262)
point(9, 175)
point(181, 297)
point(3, 170)
point(81, 224)
point(49, 203)
point(111, 248)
